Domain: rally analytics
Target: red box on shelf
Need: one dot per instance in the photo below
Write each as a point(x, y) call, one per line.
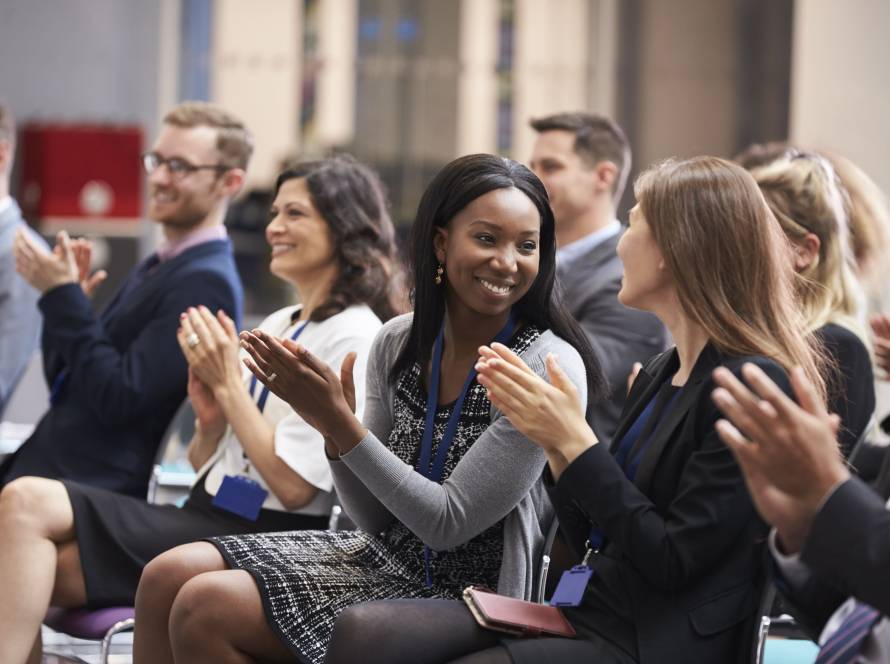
point(75, 174)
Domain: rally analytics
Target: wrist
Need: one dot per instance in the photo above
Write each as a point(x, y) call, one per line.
point(790, 539)
point(331, 450)
point(576, 442)
point(50, 285)
point(209, 434)
point(227, 392)
point(345, 434)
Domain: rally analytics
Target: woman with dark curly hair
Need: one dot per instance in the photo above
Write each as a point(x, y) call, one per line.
point(261, 467)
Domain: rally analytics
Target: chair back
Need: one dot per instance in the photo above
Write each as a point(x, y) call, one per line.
point(177, 436)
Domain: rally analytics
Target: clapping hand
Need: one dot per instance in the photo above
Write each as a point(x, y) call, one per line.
point(211, 421)
point(210, 346)
point(69, 262)
point(788, 453)
point(45, 271)
point(321, 397)
point(549, 414)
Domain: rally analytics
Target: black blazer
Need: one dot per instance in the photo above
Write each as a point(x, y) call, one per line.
point(126, 372)
point(852, 394)
point(684, 545)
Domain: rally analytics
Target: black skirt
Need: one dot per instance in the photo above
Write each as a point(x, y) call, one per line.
point(118, 535)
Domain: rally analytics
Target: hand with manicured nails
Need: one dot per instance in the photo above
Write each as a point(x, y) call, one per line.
point(788, 452)
point(45, 271)
point(325, 400)
point(214, 358)
point(549, 414)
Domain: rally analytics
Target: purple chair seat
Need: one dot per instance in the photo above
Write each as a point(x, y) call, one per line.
point(87, 623)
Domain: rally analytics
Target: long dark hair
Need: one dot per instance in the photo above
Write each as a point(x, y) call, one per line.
point(349, 197)
point(457, 185)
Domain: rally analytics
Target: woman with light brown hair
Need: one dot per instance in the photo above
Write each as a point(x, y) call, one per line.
point(810, 204)
point(672, 546)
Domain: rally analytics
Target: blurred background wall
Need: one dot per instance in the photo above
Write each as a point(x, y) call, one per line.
point(407, 85)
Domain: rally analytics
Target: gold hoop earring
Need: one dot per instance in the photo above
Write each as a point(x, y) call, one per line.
point(439, 272)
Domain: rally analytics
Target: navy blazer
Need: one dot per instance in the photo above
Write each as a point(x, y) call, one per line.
point(684, 546)
point(126, 374)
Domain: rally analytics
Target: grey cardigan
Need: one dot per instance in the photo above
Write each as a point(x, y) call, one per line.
point(498, 478)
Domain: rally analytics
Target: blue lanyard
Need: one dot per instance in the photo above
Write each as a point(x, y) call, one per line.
point(596, 538)
point(435, 470)
point(264, 393)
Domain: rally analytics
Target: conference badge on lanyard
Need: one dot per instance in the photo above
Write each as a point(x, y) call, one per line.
point(239, 494)
point(434, 469)
point(573, 582)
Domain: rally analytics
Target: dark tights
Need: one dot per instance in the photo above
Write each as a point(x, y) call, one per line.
point(426, 631)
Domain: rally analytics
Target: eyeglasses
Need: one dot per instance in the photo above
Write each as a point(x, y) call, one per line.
point(179, 168)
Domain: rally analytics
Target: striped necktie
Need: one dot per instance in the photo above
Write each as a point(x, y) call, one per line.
point(845, 644)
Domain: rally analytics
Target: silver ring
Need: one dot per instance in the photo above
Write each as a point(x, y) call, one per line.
point(272, 376)
point(192, 340)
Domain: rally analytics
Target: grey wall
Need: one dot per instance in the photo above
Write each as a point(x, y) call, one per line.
point(80, 60)
point(84, 61)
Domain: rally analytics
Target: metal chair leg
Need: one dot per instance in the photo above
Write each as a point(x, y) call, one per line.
point(118, 627)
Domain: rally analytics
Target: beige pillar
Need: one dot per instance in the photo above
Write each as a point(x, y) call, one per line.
point(840, 81)
point(477, 86)
point(335, 110)
point(257, 48)
point(564, 61)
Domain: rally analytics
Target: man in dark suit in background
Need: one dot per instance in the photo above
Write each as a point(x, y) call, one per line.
point(19, 316)
point(831, 531)
point(584, 160)
point(117, 378)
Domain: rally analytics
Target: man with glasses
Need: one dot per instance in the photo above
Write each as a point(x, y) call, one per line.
point(117, 378)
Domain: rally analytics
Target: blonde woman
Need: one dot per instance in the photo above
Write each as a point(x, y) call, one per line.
point(809, 202)
point(674, 545)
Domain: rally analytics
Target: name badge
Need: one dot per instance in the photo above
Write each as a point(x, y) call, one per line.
point(240, 495)
point(571, 587)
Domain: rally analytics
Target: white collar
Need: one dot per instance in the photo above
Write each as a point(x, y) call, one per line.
point(5, 203)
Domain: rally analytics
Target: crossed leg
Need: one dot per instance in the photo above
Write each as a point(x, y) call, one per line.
point(39, 562)
point(191, 608)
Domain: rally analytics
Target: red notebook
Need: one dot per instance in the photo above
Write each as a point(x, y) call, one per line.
point(515, 616)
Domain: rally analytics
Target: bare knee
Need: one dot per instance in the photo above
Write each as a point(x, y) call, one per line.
point(164, 576)
point(198, 611)
point(39, 506)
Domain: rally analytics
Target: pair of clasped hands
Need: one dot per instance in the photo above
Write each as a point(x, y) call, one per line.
point(69, 262)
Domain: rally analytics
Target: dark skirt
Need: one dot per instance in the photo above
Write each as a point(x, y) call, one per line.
point(118, 535)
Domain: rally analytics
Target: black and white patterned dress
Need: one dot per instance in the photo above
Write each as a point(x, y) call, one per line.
point(306, 578)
